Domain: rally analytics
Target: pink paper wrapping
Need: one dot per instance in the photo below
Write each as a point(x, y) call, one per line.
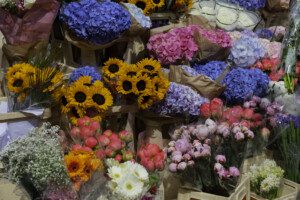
point(35, 25)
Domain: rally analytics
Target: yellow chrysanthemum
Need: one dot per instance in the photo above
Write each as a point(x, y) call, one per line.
point(142, 85)
point(161, 86)
point(126, 84)
point(112, 67)
point(145, 101)
point(75, 166)
point(101, 96)
point(78, 95)
point(18, 82)
point(146, 5)
point(75, 113)
point(158, 3)
point(149, 65)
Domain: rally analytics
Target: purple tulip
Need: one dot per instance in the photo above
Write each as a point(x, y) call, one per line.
point(173, 167)
point(220, 159)
point(181, 166)
point(233, 171)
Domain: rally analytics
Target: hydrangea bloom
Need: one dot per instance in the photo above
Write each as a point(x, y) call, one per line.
point(246, 51)
point(250, 4)
point(138, 14)
point(264, 33)
point(84, 71)
point(189, 70)
point(180, 99)
point(174, 46)
point(96, 22)
point(273, 49)
point(242, 84)
point(212, 69)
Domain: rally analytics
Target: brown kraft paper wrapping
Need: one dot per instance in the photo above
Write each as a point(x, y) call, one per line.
point(278, 4)
point(202, 84)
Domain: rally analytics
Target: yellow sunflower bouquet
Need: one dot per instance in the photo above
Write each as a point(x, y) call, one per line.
point(85, 95)
point(81, 165)
point(142, 82)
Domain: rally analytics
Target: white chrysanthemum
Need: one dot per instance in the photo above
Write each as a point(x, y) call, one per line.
point(115, 173)
point(130, 188)
point(110, 162)
point(140, 172)
point(270, 183)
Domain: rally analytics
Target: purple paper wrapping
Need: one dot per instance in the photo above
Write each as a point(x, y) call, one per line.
point(34, 25)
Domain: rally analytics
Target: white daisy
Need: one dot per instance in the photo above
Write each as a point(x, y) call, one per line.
point(140, 172)
point(111, 162)
point(115, 173)
point(130, 188)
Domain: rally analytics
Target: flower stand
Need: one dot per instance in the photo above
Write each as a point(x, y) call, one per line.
point(290, 191)
point(242, 192)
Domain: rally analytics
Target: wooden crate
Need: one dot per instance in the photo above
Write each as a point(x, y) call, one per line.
point(256, 159)
point(290, 191)
point(242, 192)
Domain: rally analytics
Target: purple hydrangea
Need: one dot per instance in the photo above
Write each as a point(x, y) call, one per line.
point(250, 4)
point(180, 99)
point(264, 33)
point(213, 69)
point(246, 51)
point(242, 84)
point(96, 22)
point(84, 71)
point(189, 70)
point(284, 119)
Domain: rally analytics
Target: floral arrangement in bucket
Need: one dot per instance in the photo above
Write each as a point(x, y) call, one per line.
point(142, 82)
point(85, 95)
point(266, 179)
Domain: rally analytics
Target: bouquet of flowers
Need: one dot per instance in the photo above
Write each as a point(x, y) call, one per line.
point(266, 179)
point(88, 137)
point(98, 22)
point(36, 159)
point(85, 95)
point(142, 82)
point(128, 180)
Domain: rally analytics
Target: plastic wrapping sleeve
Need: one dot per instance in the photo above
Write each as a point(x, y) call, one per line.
point(290, 47)
point(35, 25)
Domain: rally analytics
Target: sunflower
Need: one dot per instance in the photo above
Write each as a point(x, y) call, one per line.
point(25, 68)
point(158, 3)
point(146, 5)
point(75, 113)
point(183, 5)
point(18, 82)
point(101, 96)
point(22, 96)
point(55, 81)
point(145, 101)
point(112, 67)
point(142, 85)
point(84, 80)
point(78, 95)
point(59, 96)
point(130, 71)
point(94, 113)
point(161, 87)
point(149, 65)
point(125, 84)
point(74, 165)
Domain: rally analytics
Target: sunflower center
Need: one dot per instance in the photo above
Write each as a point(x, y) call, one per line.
point(91, 112)
point(129, 186)
point(18, 83)
point(64, 100)
point(99, 99)
point(156, 1)
point(73, 167)
point(141, 85)
point(156, 87)
point(87, 170)
point(146, 99)
point(127, 85)
point(80, 97)
point(75, 113)
point(113, 68)
point(141, 5)
point(131, 74)
point(149, 67)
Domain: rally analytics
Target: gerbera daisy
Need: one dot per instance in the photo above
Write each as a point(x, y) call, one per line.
point(145, 101)
point(130, 187)
point(112, 67)
point(115, 173)
point(101, 96)
point(140, 172)
point(125, 84)
point(146, 5)
point(149, 65)
point(74, 165)
point(142, 85)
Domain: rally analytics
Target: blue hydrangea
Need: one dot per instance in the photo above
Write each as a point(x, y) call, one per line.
point(246, 51)
point(96, 22)
point(213, 69)
point(242, 84)
point(180, 100)
point(264, 33)
point(189, 70)
point(249, 4)
point(138, 14)
point(84, 71)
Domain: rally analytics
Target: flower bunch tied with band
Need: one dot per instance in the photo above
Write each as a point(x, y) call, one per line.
point(142, 82)
point(85, 95)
